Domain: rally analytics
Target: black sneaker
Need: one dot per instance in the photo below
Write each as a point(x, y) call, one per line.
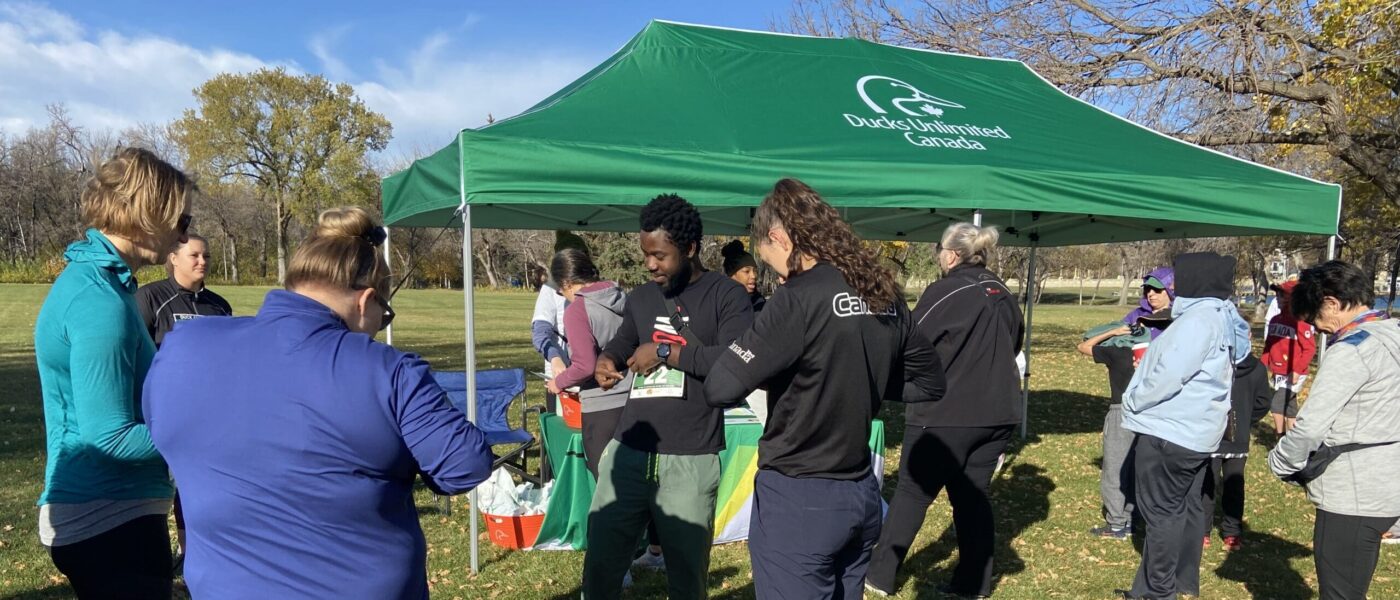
point(948, 590)
point(1112, 533)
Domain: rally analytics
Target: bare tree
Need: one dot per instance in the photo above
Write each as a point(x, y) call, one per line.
point(1284, 74)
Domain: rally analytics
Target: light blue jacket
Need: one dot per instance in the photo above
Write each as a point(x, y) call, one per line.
point(1181, 389)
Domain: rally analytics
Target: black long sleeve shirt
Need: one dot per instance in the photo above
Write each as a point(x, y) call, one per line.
point(164, 303)
point(717, 311)
point(975, 324)
point(828, 362)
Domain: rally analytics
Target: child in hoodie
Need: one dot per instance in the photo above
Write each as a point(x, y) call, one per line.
point(1177, 403)
point(1288, 349)
point(1249, 400)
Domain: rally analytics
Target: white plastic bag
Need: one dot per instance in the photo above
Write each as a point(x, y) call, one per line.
point(499, 495)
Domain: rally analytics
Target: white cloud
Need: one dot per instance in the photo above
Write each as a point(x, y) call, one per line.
point(321, 45)
point(432, 96)
point(111, 81)
point(107, 80)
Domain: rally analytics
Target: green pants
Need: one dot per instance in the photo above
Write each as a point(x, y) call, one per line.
point(674, 491)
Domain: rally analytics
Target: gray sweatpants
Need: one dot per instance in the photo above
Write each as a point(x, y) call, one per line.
point(1116, 480)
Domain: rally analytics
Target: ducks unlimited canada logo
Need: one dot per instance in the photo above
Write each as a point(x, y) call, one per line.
point(922, 121)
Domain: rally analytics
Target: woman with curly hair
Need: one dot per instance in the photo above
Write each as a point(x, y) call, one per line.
point(974, 322)
point(836, 341)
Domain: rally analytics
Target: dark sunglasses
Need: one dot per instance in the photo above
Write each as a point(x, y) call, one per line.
point(183, 225)
point(383, 304)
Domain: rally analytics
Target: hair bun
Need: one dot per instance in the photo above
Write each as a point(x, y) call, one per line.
point(733, 249)
point(348, 221)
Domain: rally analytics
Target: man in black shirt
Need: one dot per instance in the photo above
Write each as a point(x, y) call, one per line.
point(182, 296)
point(663, 464)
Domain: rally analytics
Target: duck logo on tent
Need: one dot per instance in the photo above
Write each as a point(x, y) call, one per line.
point(923, 115)
point(916, 104)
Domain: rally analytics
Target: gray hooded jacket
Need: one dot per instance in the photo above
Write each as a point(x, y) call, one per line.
point(604, 309)
point(1354, 399)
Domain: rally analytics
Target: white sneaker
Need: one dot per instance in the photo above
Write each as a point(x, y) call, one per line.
point(655, 562)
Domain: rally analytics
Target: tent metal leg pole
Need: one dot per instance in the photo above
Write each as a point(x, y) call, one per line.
point(469, 304)
point(388, 331)
point(977, 217)
point(1026, 346)
point(1331, 255)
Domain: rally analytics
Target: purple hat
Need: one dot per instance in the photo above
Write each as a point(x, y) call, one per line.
point(1162, 278)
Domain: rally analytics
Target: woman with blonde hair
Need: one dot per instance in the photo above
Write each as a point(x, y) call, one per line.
point(297, 459)
point(974, 323)
point(106, 489)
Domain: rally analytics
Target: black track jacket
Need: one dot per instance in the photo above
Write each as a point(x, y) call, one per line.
point(975, 324)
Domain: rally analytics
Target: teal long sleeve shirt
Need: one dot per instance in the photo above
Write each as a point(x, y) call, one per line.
point(93, 351)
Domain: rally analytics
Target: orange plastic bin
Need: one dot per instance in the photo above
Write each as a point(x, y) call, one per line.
point(514, 532)
point(571, 409)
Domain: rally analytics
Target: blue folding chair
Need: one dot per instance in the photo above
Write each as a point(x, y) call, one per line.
point(496, 389)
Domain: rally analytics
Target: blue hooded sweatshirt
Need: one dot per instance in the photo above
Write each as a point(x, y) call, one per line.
point(1181, 389)
point(93, 351)
point(297, 442)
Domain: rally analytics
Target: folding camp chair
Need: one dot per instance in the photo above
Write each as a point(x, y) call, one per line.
point(496, 389)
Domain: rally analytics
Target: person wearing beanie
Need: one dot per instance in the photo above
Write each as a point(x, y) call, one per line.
point(740, 266)
point(547, 324)
point(1178, 403)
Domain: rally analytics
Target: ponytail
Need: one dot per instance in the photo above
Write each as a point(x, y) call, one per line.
point(971, 243)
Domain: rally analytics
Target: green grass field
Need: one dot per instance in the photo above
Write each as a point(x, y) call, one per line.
point(1046, 498)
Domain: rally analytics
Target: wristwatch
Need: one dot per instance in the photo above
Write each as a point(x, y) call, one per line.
point(663, 351)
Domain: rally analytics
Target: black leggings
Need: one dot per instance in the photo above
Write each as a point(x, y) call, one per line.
point(1227, 476)
point(1345, 549)
point(960, 459)
point(598, 429)
point(131, 560)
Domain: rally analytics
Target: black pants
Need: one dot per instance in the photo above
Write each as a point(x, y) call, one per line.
point(1225, 477)
point(1168, 490)
point(962, 460)
point(811, 537)
point(1345, 549)
point(131, 560)
point(598, 430)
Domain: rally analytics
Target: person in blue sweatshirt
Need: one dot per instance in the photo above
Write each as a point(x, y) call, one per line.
point(106, 489)
point(297, 458)
point(1177, 402)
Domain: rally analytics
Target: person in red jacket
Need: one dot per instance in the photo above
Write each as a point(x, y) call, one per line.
point(1288, 349)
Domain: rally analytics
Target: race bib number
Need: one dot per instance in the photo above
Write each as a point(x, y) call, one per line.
point(664, 382)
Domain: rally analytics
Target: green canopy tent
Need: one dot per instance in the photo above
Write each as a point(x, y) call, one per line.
point(902, 141)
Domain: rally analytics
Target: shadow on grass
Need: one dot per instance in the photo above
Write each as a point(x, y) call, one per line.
point(1065, 412)
point(1020, 499)
point(54, 592)
point(1262, 566)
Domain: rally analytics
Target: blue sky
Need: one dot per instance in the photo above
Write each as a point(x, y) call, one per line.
point(431, 67)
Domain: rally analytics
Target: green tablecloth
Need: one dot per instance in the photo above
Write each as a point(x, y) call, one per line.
point(566, 518)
